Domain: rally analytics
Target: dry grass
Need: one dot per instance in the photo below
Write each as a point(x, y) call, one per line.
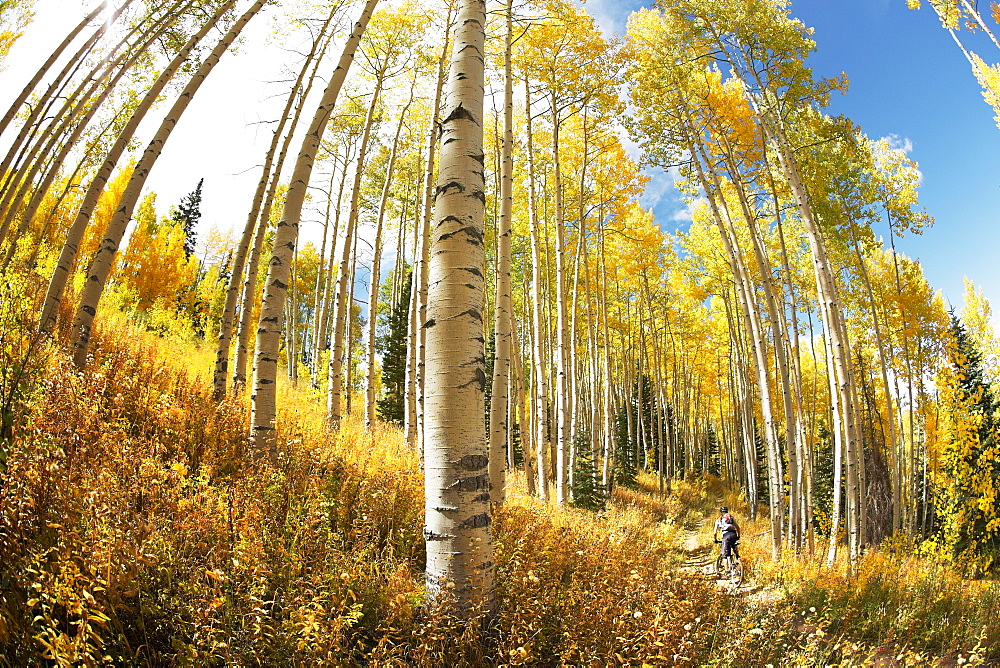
point(138, 530)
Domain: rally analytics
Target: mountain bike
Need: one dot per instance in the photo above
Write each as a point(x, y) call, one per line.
point(730, 568)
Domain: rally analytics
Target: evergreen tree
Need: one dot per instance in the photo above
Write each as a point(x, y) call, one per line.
point(966, 471)
point(189, 213)
point(392, 348)
point(714, 453)
point(823, 479)
point(625, 469)
point(587, 493)
point(491, 361)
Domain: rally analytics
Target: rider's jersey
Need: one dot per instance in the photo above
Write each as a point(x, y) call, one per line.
point(723, 527)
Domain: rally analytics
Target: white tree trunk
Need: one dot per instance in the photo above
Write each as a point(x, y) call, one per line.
point(100, 267)
point(276, 284)
point(67, 256)
point(457, 530)
point(376, 271)
point(342, 310)
point(220, 377)
point(503, 318)
point(539, 368)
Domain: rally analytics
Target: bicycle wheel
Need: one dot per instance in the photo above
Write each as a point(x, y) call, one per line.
point(736, 574)
point(720, 564)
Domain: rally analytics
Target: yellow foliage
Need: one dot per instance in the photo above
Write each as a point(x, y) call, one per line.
point(154, 264)
point(103, 211)
point(15, 15)
point(635, 245)
point(989, 79)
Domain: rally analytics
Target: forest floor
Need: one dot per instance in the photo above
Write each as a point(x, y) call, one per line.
point(139, 526)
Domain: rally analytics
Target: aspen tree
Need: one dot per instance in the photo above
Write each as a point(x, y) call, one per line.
point(383, 52)
point(773, 126)
point(70, 98)
point(276, 284)
point(50, 61)
point(776, 321)
point(57, 157)
point(503, 316)
point(43, 107)
point(45, 154)
point(573, 64)
point(539, 381)
point(457, 531)
point(521, 399)
point(721, 215)
point(255, 221)
point(418, 335)
point(345, 283)
point(376, 266)
point(100, 266)
point(74, 236)
point(320, 289)
point(324, 296)
point(273, 194)
point(347, 140)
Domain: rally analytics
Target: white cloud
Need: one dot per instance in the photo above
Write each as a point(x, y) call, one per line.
point(612, 15)
point(903, 144)
point(661, 187)
point(685, 215)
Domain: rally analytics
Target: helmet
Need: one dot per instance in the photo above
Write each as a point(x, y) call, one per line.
point(723, 509)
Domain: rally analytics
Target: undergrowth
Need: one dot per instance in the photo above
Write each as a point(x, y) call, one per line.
point(135, 529)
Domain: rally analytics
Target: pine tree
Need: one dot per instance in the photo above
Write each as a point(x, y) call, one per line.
point(967, 475)
point(392, 348)
point(626, 469)
point(189, 213)
point(587, 493)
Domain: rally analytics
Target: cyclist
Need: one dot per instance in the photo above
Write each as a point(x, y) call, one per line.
point(730, 530)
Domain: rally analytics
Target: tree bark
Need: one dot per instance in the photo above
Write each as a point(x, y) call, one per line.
point(503, 316)
point(457, 531)
point(342, 316)
point(220, 376)
point(376, 269)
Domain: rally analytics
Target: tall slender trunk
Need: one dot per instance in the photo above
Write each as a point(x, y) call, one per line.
point(779, 335)
point(562, 347)
point(79, 106)
point(50, 61)
point(831, 311)
point(503, 316)
point(221, 373)
point(46, 156)
point(524, 430)
point(754, 335)
point(101, 265)
point(376, 267)
point(74, 236)
point(422, 259)
point(539, 371)
point(349, 318)
point(323, 344)
point(457, 531)
point(342, 310)
point(56, 157)
point(286, 236)
point(42, 108)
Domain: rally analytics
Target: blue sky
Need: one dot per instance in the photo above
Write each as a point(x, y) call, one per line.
point(908, 80)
